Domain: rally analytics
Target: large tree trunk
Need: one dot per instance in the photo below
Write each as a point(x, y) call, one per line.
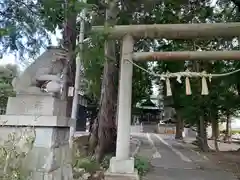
point(228, 135)
point(179, 127)
point(107, 131)
point(104, 132)
point(202, 139)
point(177, 108)
point(69, 43)
point(202, 135)
point(215, 128)
point(215, 131)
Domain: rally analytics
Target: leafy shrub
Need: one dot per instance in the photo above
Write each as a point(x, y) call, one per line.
point(106, 162)
point(88, 164)
point(12, 153)
point(232, 132)
point(142, 165)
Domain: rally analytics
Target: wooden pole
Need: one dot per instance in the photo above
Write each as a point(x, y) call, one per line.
point(186, 55)
point(174, 31)
point(79, 60)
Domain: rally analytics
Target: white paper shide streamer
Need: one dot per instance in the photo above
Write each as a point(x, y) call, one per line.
point(204, 86)
point(188, 86)
point(168, 87)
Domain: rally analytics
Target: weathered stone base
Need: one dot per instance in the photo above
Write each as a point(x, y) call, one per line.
point(63, 173)
point(50, 156)
point(36, 105)
point(121, 176)
point(121, 170)
point(121, 166)
point(42, 118)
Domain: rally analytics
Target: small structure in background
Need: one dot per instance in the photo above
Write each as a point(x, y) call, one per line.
point(168, 113)
point(168, 116)
point(86, 113)
point(147, 112)
point(167, 121)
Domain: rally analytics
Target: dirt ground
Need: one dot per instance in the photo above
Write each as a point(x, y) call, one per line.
point(229, 157)
point(229, 161)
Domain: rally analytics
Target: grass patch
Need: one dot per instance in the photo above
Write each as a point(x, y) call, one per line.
point(13, 152)
point(235, 131)
point(232, 132)
point(89, 165)
point(142, 165)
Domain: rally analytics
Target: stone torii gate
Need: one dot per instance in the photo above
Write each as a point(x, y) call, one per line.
point(122, 166)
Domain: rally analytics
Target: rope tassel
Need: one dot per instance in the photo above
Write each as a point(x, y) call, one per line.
point(204, 86)
point(168, 86)
point(188, 86)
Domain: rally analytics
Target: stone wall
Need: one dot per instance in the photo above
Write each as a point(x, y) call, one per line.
point(50, 155)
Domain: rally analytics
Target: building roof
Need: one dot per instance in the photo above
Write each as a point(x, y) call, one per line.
point(147, 104)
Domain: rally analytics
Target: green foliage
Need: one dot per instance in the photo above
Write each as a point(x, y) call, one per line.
point(13, 153)
point(231, 132)
point(22, 30)
point(106, 161)
point(93, 60)
point(7, 73)
point(54, 13)
point(88, 164)
point(93, 68)
point(142, 165)
point(223, 97)
point(141, 85)
point(25, 25)
point(81, 160)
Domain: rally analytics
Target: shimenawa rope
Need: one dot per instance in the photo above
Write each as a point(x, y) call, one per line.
point(187, 74)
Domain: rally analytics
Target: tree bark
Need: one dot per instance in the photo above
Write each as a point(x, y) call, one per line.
point(202, 139)
point(227, 137)
point(202, 135)
point(215, 131)
point(69, 43)
point(215, 127)
point(104, 132)
point(179, 127)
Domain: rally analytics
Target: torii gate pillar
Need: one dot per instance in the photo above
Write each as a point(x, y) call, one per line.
point(123, 164)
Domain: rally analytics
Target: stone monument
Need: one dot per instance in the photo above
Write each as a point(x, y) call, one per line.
point(37, 104)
